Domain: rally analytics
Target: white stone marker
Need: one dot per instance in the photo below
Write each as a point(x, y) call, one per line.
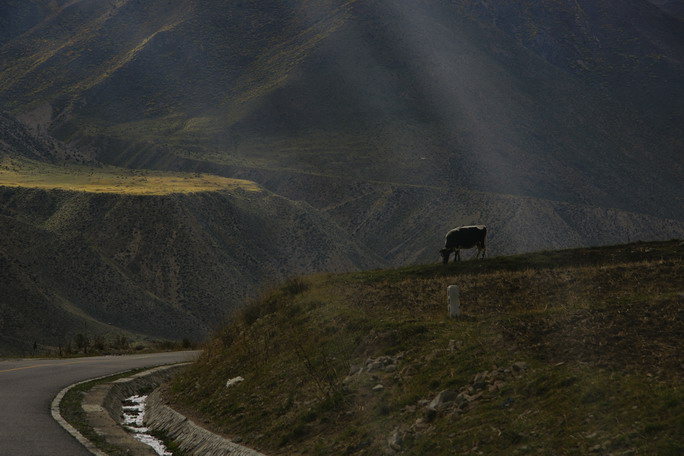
point(454, 301)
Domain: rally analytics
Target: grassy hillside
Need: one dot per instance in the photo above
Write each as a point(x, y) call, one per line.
point(563, 352)
point(109, 179)
point(170, 265)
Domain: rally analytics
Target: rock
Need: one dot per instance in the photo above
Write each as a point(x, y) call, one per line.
point(378, 387)
point(409, 371)
point(496, 386)
point(479, 386)
point(355, 370)
point(440, 401)
point(395, 439)
point(390, 368)
point(373, 366)
point(474, 397)
point(420, 424)
point(520, 366)
point(462, 400)
point(234, 381)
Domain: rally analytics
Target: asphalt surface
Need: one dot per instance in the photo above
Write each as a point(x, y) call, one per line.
point(27, 388)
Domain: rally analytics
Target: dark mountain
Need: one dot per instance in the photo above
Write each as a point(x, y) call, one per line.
point(556, 123)
point(579, 102)
point(19, 16)
point(171, 265)
point(672, 7)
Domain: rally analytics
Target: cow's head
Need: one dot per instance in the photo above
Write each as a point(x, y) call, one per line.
point(445, 255)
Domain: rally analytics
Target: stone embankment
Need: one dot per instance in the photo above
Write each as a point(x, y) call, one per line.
point(103, 406)
point(188, 436)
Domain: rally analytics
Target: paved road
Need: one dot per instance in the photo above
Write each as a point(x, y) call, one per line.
point(27, 388)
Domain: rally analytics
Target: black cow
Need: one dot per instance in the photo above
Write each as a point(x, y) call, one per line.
point(464, 237)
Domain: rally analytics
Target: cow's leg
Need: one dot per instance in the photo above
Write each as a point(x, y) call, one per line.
point(457, 257)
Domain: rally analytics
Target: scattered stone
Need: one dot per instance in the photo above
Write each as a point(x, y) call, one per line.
point(378, 387)
point(520, 366)
point(355, 370)
point(234, 381)
point(408, 371)
point(373, 366)
point(440, 401)
point(419, 425)
point(479, 385)
point(395, 440)
point(498, 385)
point(474, 397)
point(390, 368)
point(462, 400)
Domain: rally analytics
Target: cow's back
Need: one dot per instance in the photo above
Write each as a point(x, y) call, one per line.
point(466, 237)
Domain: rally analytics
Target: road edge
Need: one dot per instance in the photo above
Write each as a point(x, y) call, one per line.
point(57, 416)
point(126, 374)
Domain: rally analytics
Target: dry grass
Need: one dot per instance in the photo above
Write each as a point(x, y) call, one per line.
point(602, 341)
point(28, 174)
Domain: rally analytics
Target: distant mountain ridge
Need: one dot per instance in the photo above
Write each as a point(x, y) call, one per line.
point(561, 100)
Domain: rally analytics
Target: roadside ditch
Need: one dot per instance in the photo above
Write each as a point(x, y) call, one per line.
point(94, 413)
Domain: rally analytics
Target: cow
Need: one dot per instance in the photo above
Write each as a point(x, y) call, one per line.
point(464, 237)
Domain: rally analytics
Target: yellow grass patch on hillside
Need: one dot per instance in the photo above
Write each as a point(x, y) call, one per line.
point(108, 179)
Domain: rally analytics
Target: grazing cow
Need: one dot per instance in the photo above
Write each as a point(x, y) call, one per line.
point(464, 237)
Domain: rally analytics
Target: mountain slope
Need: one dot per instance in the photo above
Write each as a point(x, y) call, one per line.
point(368, 128)
point(557, 100)
point(167, 266)
point(111, 251)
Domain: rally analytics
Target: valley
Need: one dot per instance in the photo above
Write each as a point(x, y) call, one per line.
point(272, 182)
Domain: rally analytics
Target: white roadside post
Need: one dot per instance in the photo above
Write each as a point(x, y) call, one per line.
point(454, 301)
